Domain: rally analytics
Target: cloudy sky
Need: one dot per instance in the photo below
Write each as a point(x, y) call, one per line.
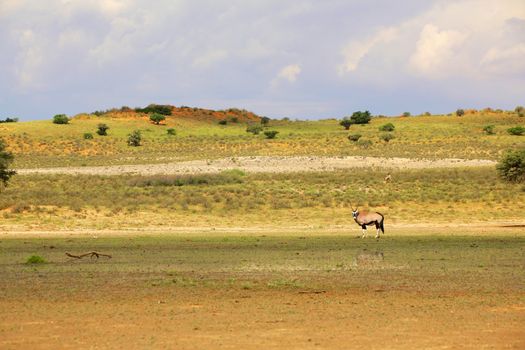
point(280, 58)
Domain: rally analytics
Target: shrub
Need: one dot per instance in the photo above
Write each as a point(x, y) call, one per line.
point(364, 143)
point(102, 129)
point(489, 129)
point(270, 134)
point(234, 119)
point(387, 127)
point(35, 259)
point(460, 112)
point(223, 122)
point(361, 117)
point(519, 109)
point(60, 119)
point(512, 166)
point(172, 132)
point(157, 118)
point(517, 130)
point(427, 114)
point(88, 136)
point(9, 120)
point(153, 108)
point(387, 137)
point(254, 129)
point(6, 158)
point(134, 138)
point(354, 137)
point(406, 114)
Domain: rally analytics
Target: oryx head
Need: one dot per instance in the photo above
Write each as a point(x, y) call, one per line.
point(355, 212)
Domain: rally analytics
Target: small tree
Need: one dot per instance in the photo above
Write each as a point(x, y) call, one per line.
point(489, 129)
point(265, 121)
point(172, 132)
point(6, 158)
point(354, 137)
point(270, 134)
point(254, 129)
point(517, 130)
point(406, 114)
point(157, 118)
point(460, 112)
point(102, 129)
point(346, 123)
point(387, 127)
point(512, 166)
point(134, 138)
point(60, 119)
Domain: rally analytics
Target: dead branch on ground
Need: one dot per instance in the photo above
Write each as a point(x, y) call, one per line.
point(90, 254)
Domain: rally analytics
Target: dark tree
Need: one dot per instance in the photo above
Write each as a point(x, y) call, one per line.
point(346, 123)
point(102, 129)
point(157, 118)
point(460, 112)
point(265, 121)
point(361, 117)
point(6, 158)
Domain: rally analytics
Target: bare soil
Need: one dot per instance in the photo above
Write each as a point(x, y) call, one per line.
point(264, 164)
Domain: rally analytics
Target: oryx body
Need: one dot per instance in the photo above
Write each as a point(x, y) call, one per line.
point(365, 218)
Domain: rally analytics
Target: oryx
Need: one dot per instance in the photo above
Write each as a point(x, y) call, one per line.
point(365, 218)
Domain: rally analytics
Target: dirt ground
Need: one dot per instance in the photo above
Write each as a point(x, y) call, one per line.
point(263, 164)
point(258, 292)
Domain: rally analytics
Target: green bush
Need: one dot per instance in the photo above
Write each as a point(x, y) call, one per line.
point(387, 127)
point(517, 130)
point(512, 166)
point(254, 129)
point(88, 136)
point(354, 137)
point(489, 129)
point(270, 134)
point(406, 114)
point(346, 123)
point(265, 121)
point(157, 118)
point(387, 137)
point(60, 119)
point(9, 120)
point(460, 112)
point(35, 259)
point(361, 117)
point(102, 129)
point(172, 132)
point(134, 138)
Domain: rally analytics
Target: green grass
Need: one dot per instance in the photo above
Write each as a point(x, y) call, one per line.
point(236, 199)
point(42, 143)
point(35, 259)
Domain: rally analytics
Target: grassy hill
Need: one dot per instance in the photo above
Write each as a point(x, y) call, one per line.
point(200, 136)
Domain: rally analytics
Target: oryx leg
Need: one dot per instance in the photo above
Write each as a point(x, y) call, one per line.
point(363, 227)
point(377, 228)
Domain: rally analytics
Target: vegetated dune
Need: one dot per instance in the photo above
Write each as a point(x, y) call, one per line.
point(264, 165)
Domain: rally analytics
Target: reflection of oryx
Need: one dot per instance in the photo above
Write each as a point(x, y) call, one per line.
point(365, 218)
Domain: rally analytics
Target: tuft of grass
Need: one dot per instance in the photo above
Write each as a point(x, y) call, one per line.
point(35, 259)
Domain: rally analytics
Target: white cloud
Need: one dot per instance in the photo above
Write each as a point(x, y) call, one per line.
point(290, 73)
point(436, 50)
point(509, 60)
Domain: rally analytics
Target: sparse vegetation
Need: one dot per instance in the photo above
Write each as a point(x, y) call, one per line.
point(489, 129)
point(60, 119)
point(387, 137)
point(154, 108)
point(88, 136)
point(35, 260)
point(171, 132)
